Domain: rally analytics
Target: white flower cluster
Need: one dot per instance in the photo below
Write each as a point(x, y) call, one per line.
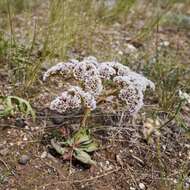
point(86, 97)
point(83, 70)
point(135, 79)
point(106, 71)
point(65, 69)
point(72, 99)
point(90, 75)
point(67, 101)
point(132, 87)
point(132, 97)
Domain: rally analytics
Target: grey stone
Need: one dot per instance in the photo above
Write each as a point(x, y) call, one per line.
point(24, 159)
point(20, 122)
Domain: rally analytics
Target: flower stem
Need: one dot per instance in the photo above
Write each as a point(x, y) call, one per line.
point(109, 93)
point(86, 114)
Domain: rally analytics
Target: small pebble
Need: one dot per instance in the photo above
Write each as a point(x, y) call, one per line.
point(131, 48)
point(25, 138)
point(141, 186)
point(20, 122)
point(107, 162)
point(27, 127)
point(52, 158)
point(43, 155)
point(24, 159)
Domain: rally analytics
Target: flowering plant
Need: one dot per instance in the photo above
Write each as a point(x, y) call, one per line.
point(92, 84)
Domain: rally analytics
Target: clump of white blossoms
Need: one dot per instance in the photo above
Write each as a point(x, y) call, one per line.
point(71, 99)
point(97, 82)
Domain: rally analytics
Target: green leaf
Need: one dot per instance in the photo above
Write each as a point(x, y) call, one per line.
point(23, 106)
point(66, 143)
point(86, 142)
point(90, 147)
point(57, 147)
point(7, 107)
point(83, 157)
point(12, 104)
point(6, 112)
point(81, 136)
